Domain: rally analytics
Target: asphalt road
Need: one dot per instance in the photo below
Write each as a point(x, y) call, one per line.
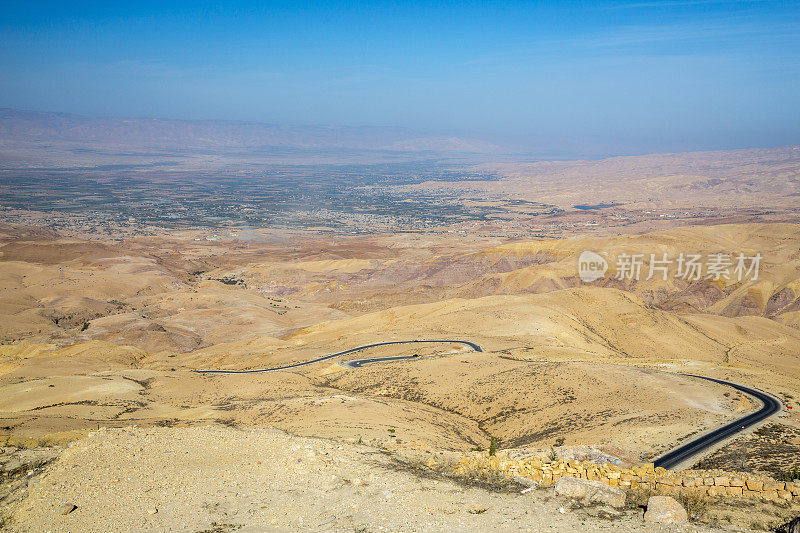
point(356, 363)
point(668, 460)
point(682, 453)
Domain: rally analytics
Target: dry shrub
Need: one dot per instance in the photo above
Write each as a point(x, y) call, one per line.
point(5, 519)
point(695, 503)
point(638, 497)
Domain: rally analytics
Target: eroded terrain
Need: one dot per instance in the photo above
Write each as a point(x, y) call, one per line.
point(105, 321)
point(110, 333)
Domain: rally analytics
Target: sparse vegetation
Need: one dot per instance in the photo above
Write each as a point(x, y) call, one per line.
point(553, 455)
point(764, 431)
point(758, 525)
point(637, 497)
point(217, 527)
point(230, 280)
point(492, 446)
point(771, 449)
point(5, 519)
point(791, 475)
point(486, 478)
point(696, 504)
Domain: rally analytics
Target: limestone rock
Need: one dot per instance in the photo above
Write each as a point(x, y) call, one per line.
point(589, 491)
point(13, 465)
point(665, 510)
point(67, 508)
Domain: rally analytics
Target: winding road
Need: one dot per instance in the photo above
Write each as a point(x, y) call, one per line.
point(682, 453)
point(356, 363)
point(670, 459)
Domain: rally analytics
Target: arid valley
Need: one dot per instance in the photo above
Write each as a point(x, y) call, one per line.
point(407, 267)
point(108, 319)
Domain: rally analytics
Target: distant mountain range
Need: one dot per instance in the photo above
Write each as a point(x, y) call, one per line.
point(22, 128)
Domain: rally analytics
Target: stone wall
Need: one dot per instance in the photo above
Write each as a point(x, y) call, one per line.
point(646, 476)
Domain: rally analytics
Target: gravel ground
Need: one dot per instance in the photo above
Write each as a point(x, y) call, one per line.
point(225, 479)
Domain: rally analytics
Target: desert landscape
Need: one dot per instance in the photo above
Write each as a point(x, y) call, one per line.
point(400, 266)
point(104, 330)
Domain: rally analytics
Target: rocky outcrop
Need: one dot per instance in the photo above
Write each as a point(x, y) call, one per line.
point(590, 492)
point(665, 510)
point(19, 468)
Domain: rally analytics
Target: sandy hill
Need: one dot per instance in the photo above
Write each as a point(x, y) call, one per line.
point(110, 334)
point(591, 319)
point(775, 292)
point(414, 274)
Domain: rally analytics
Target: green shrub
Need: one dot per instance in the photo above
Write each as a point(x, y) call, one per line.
point(492, 446)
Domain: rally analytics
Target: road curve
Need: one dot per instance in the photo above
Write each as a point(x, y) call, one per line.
point(358, 363)
point(680, 454)
point(667, 460)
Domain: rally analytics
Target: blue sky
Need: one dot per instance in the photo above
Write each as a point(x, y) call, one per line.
point(586, 77)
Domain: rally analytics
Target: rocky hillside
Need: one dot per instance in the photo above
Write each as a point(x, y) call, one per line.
point(225, 479)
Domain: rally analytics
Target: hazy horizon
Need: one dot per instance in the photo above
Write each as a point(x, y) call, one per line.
point(598, 78)
point(136, 133)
